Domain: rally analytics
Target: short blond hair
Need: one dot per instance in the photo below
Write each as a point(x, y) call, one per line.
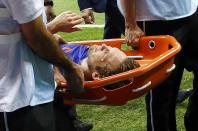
point(126, 65)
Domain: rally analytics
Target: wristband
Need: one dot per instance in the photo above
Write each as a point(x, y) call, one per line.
point(48, 3)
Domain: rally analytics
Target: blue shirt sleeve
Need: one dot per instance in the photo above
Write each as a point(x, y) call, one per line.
point(76, 52)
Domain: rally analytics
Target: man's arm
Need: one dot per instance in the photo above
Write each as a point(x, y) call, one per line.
point(44, 44)
point(65, 22)
point(132, 31)
point(49, 10)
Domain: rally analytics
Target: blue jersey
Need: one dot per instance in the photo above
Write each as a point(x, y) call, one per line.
point(76, 52)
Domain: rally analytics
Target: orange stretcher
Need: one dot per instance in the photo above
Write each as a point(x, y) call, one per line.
point(156, 59)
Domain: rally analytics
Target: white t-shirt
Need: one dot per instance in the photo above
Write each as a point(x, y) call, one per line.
point(147, 10)
point(25, 78)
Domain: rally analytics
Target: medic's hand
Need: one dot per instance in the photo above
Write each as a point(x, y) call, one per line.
point(59, 39)
point(65, 22)
point(75, 78)
point(58, 76)
point(133, 34)
point(88, 16)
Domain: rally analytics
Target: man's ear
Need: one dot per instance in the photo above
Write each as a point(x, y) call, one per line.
point(95, 75)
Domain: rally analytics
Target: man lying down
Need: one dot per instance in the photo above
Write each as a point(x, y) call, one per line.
point(97, 61)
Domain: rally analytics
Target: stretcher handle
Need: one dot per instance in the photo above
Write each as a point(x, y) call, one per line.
point(135, 57)
point(171, 69)
point(141, 88)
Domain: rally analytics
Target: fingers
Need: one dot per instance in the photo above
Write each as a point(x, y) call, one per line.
point(76, 20)
point(133, 36)
point(88, 16)
point(49, 13)
point(73, 15)
point(75, 79)
point(70, 30)
point(59, 39)
point(92, 18)
point(73, 18)
point(75, 29)
point(89, 20)
point(50, 17)
point(58, 76)
point(62, 41)
point(133, 40)
point(68, 12)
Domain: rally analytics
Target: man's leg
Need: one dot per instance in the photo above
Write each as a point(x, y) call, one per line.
point(161, 107)
point(161, 101)
point(2, 122)
point(63, 120)
point(75, 123)
point(67, 118)
point(37, 118)
point(114, 21)
point(191, 115)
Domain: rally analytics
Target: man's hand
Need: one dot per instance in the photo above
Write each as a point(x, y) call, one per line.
point(132, 30)
point(58, 76)
point(49, 13)
point(88, 16)
point(59, 39)
point(65, 22)
point(75, 79)
point(133, 34)
point(42, 42)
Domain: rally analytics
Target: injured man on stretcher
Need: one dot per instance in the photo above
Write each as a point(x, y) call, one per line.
point(96, 61)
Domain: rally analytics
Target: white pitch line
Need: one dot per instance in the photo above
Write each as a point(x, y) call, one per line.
point(89, 26)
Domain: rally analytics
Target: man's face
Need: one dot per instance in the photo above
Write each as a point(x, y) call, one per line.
point(105, 56)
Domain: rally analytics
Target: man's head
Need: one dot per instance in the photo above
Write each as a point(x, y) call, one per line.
point(105, 60)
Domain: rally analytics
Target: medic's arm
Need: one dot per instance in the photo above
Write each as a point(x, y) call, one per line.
point(43, 43)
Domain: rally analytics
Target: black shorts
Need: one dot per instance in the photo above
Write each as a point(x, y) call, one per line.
point(36, 118)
